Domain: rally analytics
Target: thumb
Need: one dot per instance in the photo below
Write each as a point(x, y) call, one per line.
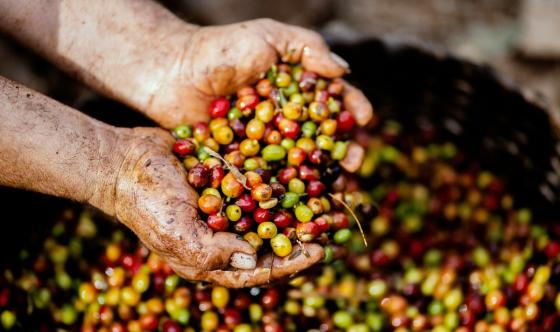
point(238, 252)
point(295, 44)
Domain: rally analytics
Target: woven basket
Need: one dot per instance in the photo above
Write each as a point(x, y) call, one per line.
point(467, 104)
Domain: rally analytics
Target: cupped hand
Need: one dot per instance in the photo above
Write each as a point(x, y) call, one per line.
point(152, 197)
point(219, 59)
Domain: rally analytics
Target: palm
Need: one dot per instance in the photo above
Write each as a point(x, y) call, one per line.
point(155, 201)
point(219, 60)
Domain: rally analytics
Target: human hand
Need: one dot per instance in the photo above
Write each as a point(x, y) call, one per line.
point(219, 59)
point(151, 196)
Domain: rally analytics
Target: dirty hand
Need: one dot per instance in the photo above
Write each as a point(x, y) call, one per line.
point(154, 199)
point(220, 59)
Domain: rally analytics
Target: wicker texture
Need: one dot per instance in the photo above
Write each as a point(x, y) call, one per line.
point(469, 105)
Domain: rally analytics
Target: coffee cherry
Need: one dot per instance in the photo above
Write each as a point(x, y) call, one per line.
point(243, 225)
point(273, 137)
point(261, 215)
point(231, 186)
point(234, 113)
point(246, 203)
point(254, 240)
point(318, 111)
point(342, 236)
point(303, 213)
point(324, 142)
point(315, 188)
point(283, 80)
point(296, 186)
point(184, 147)
point(217, 123)
point(255, 129)
point(216, 176)
point(217, 223)
point(308, 129)
point(292, 111)
point(253, 179)
point(282, 218)
point(315, 205)
point(340, 221)
point(223, 135)
point(328, 127)
point(290, 200)
point(261, 192)
point(198, 177)
point(307, 173)
point(168, 326)
point(249, 147)
point(289, 128)
point(281, 245)
point(219, 108)
point(209, 204)
point(264, 87)
point(238, 128)
point(296, 156)
point(220, 297)
point(209, 321)
point(316, 157)
point(323, 224)
point(183, 131)
point(236, 158)
point(233, 212)
point(247, 102)
point(246, 90)
point(273, 152)
point(344, 122)
point(287, 174)
point(266, 230)
point(270, 298)
point(307, 231)
point(269, 204)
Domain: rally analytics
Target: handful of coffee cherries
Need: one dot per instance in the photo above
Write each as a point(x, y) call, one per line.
point(265, 163)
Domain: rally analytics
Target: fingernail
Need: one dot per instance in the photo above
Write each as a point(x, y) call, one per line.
point(340, 61)
point(243, 261)
point(354, 157)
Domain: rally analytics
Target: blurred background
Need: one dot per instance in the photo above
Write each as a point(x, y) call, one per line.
point(518, 38)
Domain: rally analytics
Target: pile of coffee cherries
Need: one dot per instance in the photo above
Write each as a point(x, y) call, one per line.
point(264, 163)
point(451, 249)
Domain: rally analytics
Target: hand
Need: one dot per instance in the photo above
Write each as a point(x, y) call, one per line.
point(218, 60)
point(152, 197)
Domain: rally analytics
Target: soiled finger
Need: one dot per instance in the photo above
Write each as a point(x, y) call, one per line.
point(356, 102)
point(270, 268)
point(354, 157)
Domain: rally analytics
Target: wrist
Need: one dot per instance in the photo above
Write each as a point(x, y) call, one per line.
point(112, 146)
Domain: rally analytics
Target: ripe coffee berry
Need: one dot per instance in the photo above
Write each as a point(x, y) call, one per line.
point(261, 215)
point(184, 147)
point(219, 108)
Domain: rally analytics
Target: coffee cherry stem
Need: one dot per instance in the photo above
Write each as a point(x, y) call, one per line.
point(353, 215)
point(303, 249)
point(234, 170)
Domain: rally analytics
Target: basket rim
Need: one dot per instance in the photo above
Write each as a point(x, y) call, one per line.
point(424, 48)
